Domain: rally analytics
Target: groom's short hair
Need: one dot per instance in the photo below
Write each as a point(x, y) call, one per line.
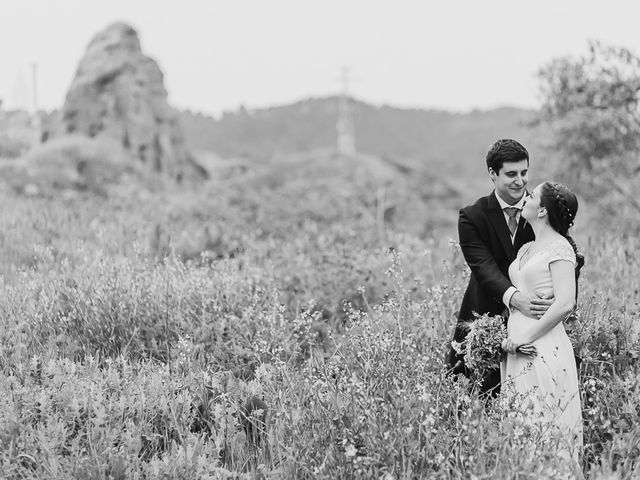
point(505, 150)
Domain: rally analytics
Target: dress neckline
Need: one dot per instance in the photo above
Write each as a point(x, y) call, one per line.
point(528, 245)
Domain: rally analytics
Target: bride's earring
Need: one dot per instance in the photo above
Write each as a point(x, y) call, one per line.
point(542, 212)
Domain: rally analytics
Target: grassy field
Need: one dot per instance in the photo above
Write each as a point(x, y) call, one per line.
point(263, 325)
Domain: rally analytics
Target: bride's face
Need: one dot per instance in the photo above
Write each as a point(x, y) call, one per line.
point(532, 205)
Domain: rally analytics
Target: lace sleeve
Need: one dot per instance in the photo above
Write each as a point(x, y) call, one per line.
point(562, 250)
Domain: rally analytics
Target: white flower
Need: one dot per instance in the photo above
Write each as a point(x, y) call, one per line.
point(350, 451)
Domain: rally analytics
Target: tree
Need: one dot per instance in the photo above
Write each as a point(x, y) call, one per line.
point(591, 108)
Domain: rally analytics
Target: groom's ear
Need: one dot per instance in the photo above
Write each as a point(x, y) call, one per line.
point(492, 174)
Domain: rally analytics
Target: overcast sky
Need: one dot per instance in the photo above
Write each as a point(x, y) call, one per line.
point(219, 54)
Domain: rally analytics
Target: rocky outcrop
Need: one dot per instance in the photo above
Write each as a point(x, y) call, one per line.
point(118, 92)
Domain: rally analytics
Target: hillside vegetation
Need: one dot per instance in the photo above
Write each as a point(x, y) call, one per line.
point(284, 319)
point(438, 139)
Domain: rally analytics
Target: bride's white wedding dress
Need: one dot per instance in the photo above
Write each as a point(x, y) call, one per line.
point(547, 384)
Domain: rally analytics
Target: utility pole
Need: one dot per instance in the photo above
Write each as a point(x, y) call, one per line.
point(346, 143)
point(35, 116)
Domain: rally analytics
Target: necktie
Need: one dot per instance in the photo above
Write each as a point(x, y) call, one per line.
point(512, 223)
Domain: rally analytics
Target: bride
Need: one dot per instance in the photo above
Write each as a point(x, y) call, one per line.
point(548, 381)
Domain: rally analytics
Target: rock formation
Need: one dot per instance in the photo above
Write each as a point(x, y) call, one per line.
point(118, 92)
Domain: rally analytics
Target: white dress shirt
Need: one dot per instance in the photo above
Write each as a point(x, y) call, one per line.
point(504, 205)
point(506, 298)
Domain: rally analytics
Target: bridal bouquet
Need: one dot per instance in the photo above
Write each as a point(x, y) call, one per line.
point(481, 347)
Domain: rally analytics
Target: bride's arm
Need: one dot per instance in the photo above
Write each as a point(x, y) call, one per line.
point(564, 292)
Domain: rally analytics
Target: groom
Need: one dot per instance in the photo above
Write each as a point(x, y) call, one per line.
point(490, 232)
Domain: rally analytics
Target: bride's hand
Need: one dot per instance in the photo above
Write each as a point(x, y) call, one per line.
point(528, 350)
point(508, 345)
point(511, 346)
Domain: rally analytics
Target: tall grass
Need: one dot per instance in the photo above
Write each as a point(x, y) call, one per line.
point(286, 350)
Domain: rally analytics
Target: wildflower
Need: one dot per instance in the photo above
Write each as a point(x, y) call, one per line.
point(350, 451)
point(482, 346)
point(429, 421)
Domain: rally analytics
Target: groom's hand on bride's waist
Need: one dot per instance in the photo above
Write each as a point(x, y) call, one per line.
point(531, 306)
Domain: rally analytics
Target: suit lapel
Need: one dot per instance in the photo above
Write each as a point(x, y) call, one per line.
point(500, 225)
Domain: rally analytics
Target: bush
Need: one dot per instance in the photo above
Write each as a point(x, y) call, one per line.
point(77, 163)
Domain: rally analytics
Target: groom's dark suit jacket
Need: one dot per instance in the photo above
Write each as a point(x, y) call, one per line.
point(487, 249)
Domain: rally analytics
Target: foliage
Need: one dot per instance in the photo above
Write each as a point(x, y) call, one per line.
point(303, 339)
point(371, 401)
point(440, 140)
point(482, 345)
point(590, 108)
point(72, 163)
point(16, 133)
point(11, 147)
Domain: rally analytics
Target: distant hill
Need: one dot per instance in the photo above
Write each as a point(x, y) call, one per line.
point(447, 140)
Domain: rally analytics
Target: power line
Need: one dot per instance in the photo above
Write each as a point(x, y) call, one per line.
point(346, 144)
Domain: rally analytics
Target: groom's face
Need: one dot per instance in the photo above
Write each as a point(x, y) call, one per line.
point(511, 180)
